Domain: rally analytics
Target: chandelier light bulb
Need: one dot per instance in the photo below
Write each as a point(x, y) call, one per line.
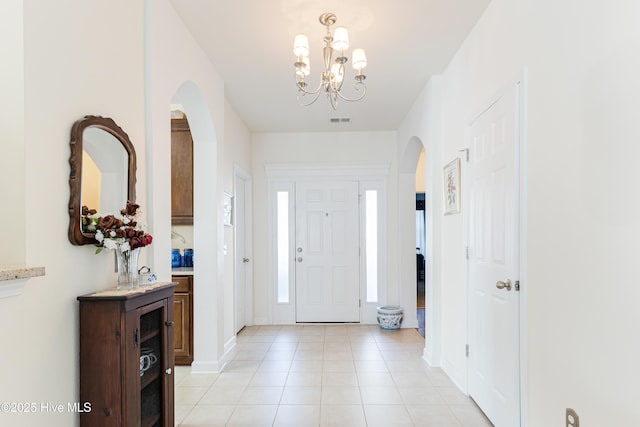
point(301, 46)
point(359, 59)
point(307, 66)
point(340, 39)
point(338, 72)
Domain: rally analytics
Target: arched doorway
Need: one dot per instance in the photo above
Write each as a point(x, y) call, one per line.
point(407, 240)
point(208, 304)
point(408, 167)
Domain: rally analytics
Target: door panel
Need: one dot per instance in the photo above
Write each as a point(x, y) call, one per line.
point(493, 244)
point(242, 253)
point(327, 252)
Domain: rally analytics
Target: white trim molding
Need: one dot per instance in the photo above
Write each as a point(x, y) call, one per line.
point(283, 177)
point(325, 170)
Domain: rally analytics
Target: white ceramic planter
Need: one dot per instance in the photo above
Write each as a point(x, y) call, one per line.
point(390, 317)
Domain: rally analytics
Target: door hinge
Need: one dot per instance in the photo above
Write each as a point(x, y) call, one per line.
point(467, 252)
point(135, 337)
point(517, 285)
point(466, 350)
point(359, 303)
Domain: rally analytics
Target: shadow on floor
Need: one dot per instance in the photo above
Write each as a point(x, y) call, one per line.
point(421, 306)
point(421, 321)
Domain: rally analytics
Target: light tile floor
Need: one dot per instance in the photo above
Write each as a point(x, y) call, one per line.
point(324, 375)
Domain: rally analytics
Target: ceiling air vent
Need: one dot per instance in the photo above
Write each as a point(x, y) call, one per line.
point(339, 120)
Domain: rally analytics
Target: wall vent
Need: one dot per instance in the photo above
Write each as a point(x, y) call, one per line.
point(339, 120)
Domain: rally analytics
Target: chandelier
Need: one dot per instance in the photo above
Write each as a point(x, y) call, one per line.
point(334, 60)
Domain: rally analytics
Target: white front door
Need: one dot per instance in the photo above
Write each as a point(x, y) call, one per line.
point(327, 252)
point(493, 266)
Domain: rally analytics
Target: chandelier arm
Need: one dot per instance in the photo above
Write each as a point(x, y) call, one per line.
point(306, 92)
point(309, 92)
point(358, 86)
point(333, 98)
point(315, 98)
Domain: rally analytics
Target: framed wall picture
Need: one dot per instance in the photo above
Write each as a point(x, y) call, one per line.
point(452, 187)
point(227, 206)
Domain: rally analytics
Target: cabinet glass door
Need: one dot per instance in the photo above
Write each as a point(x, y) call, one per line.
point(152, 335)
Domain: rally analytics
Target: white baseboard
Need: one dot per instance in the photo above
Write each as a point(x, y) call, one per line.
point(261, 321)
point(215, 367)
point(206, 367)
point(428, 357)
point(410, 324)
point(229, 345)
point(455, 376)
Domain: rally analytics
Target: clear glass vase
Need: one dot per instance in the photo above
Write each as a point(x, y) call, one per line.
point(127, 268)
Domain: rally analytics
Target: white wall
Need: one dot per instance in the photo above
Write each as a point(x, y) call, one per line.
point(12, 164)
point(92, 58)
point(583, 228)
point(582, 221)
point(423, 125)
point(177, 69)
point(353, 148)
point(69, 71)
point(237, 154)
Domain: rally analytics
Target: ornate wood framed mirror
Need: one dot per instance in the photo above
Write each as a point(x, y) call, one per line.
point(103, 172)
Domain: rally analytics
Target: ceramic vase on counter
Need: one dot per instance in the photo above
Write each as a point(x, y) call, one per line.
point(127, 268)
point(187, 259)
point(176, 258)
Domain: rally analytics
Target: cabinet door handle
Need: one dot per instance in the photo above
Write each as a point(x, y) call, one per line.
point(168, 371)
point(169, 323)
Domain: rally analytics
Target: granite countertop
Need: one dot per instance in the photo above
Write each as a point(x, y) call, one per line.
point(16, 272)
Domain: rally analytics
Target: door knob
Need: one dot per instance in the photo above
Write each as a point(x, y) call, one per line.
point(504, 285)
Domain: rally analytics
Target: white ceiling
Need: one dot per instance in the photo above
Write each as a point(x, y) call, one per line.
point(250, 43)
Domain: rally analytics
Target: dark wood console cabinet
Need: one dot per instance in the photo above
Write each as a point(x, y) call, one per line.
point(116, 328)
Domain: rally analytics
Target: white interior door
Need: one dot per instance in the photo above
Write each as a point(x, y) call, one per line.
point(494, 355)
point(327, 252)
point(242, 249)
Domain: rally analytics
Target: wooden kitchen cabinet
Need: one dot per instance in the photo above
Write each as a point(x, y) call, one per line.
point(183, 315)
point(181, 173)
point(116, 328)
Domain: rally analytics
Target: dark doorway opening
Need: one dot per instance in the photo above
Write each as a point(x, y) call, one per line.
point(420, 260)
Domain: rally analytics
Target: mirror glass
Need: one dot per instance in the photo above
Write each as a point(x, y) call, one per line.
point(103, 166)
point(105, 178)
